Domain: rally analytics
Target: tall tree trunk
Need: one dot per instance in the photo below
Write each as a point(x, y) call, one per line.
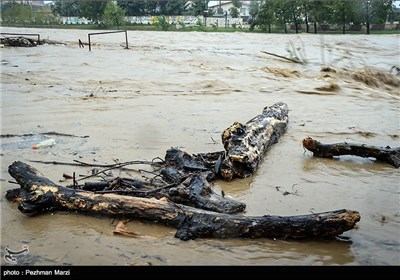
point(306, 17)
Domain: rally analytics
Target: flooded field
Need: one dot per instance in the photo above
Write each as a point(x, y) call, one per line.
point(172, 89)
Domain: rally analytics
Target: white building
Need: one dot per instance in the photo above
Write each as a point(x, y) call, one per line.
point(226, 5)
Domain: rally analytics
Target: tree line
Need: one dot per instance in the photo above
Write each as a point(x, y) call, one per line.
point(264, 14)
point(93, 10)
point(316, 12)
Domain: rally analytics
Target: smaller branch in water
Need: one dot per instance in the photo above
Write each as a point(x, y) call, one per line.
point(387, 154)
point(284, 57)
point(137, 192)
point(114, 164)
point(56, 162)
point(43, 133)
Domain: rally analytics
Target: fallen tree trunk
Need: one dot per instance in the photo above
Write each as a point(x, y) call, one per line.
point(387, 154)
point(245, 145)
point(39, 194)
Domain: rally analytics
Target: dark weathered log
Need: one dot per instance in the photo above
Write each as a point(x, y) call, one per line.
point(327, 224)
point(245, 145)
point(185, 162)
point(187, 181)
point(18, 42)
point(195, 190)
point(190, 189)
point(387, 154)
point(39, 194)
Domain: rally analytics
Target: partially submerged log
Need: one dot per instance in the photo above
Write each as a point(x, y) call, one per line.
point(18, 42)
point(387, 154)
point(195, 190)
point(39, 194)
point(245, 145)
point(185, 180)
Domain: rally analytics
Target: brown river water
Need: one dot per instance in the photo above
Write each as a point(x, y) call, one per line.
point(176, 89)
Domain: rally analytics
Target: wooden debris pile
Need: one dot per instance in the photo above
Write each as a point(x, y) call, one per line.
point(18, 42)
point(180, 193)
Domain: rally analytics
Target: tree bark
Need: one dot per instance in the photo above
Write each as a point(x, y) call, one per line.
point(39, 194)
point(245, 145)
point(387, 154)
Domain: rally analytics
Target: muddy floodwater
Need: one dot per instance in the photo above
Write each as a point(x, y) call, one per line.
point(176, 89)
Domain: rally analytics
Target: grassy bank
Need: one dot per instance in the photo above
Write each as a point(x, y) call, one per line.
point(188, 28)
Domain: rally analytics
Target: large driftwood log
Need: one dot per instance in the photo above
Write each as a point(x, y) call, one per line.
point(39, 194)
point(387, 154)
point(245, 145)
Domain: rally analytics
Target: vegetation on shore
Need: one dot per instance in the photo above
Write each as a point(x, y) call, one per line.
point(142, 27)
point(272, 16)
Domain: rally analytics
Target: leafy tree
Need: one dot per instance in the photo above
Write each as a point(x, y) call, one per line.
point(234, 12)
point(254, 8)
point(134, 8)
point(175, 7)
point(295, 13)
point(382, 9)
point(113, 14)
point(393, 15)
point(286, 12)
point(237, 3)
point(8, 12)
point(161, 7)
point(318, 12)
point(16, 13)
point(265, 16)
point(68, 8)
point(92, 10)
point(375, 11)
point(24, 14)
point(151, 7)
point(171, 7)
point(45, 18)
point(198, 7)
point(306, 8)
point(343, 12)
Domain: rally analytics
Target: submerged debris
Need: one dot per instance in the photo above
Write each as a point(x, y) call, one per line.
point(18, 42)
point(376, 78)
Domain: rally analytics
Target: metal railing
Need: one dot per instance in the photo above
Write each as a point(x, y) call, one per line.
point(108, 32)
